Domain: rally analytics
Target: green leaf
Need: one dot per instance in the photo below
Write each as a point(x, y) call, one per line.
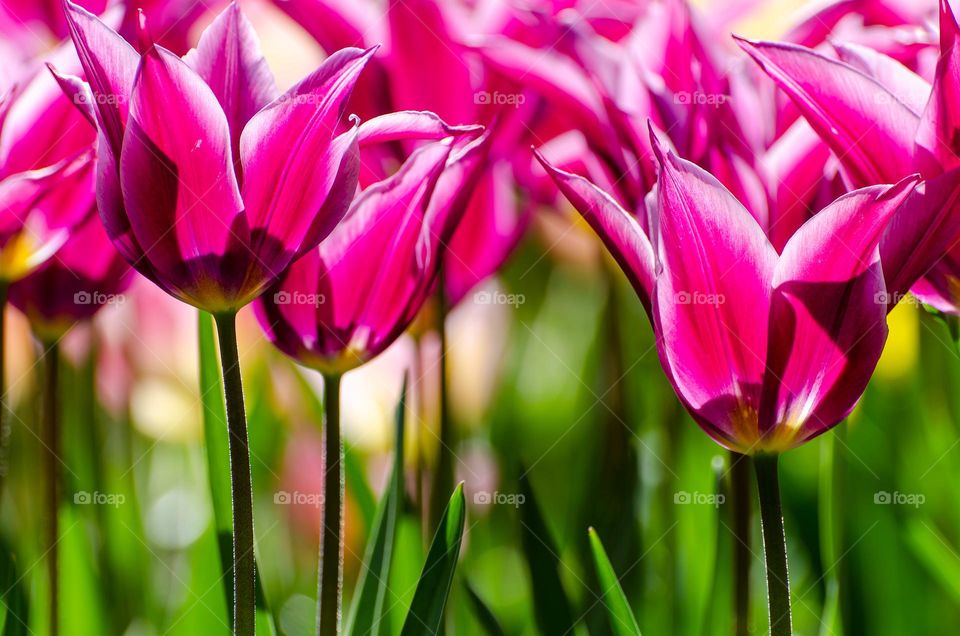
point(491, 626)
point(426, 611)
point(366, 612)
point(550, 603)
point(217, 446)
point(215, 427)
point(14, 610)
point(936, 554)
point(622, 621)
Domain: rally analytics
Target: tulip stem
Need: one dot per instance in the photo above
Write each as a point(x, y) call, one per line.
point(330, 577)
point(4, 420)
point(740, 510)
point(241, 484)
point(774, 544)
point(50, 439)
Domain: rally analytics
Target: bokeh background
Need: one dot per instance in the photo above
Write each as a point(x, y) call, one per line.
point(564, 420)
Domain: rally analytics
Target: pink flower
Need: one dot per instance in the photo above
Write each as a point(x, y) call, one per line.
point(765, 350)
point(209, 182)
point(348, 300)
point(46, 168)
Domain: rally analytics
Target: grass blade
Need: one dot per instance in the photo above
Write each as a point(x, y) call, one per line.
point(622, 621)
point(551, 606)
point(489, 622)
point(366, 612)
point(426, 610)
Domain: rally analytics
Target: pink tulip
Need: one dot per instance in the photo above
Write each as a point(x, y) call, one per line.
point(84, 275)
point(883, 122)
point(348, 300)
point(765, 350)
point(46, 168)
point(209, 182)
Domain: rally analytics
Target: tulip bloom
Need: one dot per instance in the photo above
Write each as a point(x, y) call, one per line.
point(765, 350)
point(337, 307)
point(84, 275)
point(348, 300)
point(211, 184)
point(883, 122)
point(710, 279)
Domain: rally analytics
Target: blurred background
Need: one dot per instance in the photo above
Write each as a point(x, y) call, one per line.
point(564, 421)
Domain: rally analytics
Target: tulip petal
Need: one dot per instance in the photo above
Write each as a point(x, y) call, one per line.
point(410, 124)
point(177, 178)
point(795, 171)
point(419, 32)
point(229, 60)
point(910, 88)
point(490, 228)
point(287, 154)
point(109, 64)
point(828, 316)
point(712, 292)
point(617, 228)
point(869, 129)
point(938, 138)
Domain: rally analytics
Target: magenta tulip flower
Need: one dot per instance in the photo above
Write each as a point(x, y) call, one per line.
point(337, 307)
point(211, 184)
point(46, 168)
point(766, 350)
point(84, 275)
point(882, 122)
point(348, 300)
point(710, 279)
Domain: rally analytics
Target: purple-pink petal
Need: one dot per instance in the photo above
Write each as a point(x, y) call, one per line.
point(176, 171)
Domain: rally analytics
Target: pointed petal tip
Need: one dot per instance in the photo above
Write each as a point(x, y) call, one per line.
point(656, 146)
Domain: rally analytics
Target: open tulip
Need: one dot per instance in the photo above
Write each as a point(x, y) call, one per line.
point(211, 184)
point(209, 181)
point(337, 308)
point(765, 350)
point(348, 300)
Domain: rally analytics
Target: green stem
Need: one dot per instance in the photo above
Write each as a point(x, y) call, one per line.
point(241, 484)
point(443, 478)
point(330, 577)
point(50, 438)
point(740, 510)
point(4, 420)
point(774, 544)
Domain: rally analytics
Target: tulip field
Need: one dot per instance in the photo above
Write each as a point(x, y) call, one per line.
point(479, 317)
